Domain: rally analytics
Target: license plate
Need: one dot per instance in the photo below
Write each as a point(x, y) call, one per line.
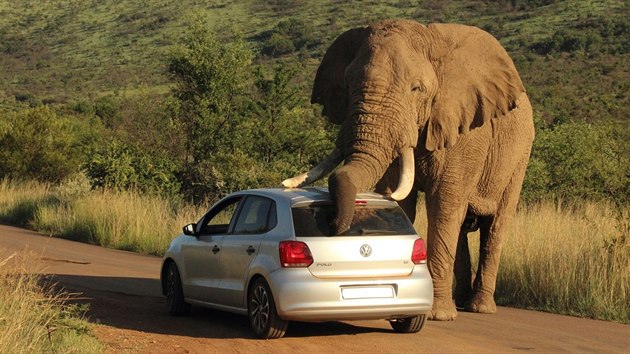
point(372, 292)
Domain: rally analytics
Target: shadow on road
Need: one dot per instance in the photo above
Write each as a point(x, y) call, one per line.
point(116, 308)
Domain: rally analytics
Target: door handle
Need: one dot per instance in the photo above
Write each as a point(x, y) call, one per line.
point(215, 249)
point(250, 250)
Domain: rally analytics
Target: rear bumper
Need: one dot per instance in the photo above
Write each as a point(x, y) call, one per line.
point(302, 297)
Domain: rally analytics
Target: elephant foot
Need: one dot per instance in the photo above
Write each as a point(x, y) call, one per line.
point(481, 303)
point(443, 310)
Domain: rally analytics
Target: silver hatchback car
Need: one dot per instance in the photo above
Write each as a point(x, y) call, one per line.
point(268, 254)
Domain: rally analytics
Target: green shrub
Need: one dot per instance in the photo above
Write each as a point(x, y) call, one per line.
point(107, 108)
point(289, 36)
point(579, 160)
point(591, 35)
point(121, 166)
point(278, 44)
point(39, 144)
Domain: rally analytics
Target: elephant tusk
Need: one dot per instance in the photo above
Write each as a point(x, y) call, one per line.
point(405, 183)
point(316, 173)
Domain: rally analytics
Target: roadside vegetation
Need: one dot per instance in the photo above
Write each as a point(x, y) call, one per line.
point(35, 318)
point(564, 257)
point(570, 258)
point(120, 122)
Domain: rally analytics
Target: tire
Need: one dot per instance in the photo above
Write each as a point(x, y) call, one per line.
point(174, 294)
point(408, 324)
point(261, 310)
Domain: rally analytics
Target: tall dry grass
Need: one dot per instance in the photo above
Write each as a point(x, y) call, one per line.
point(36, 319)
point(569, 258)
point(559, 257)
point(122, 220)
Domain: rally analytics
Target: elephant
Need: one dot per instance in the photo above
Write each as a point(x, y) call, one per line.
point(438, 109)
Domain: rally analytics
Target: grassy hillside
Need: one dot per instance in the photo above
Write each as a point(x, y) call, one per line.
point(59, 51)
point(99, 68)
point(62, 49)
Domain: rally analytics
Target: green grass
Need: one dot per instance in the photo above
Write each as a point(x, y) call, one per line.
point(67, 51)
point(540, 23)
point(564, 258)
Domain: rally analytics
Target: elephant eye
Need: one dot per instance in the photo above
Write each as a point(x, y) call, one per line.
point(417, 87)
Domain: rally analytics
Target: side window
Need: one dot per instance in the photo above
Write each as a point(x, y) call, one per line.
point(217, 221)
point(257, 216)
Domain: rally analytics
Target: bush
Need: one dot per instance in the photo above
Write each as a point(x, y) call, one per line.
point(107, 108)
point(579, 160)
point(121, 166)
point(279, 44)
point(290, 36)
point(40, 144)
point(590, 35)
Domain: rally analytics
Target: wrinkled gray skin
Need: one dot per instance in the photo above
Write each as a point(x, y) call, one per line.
point(452, 94)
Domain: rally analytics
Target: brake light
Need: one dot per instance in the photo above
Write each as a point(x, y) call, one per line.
point(360, 202)
point(419, 253)
point(295, 254)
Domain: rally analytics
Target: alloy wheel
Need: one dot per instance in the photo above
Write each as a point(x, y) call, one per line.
point(260, 308)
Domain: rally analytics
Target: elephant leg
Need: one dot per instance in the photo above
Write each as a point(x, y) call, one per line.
point(443, 233)
point(493, 230)
point(490, 237)
point(463, 271)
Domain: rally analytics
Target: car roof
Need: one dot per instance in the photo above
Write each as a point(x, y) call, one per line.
point(308, 195)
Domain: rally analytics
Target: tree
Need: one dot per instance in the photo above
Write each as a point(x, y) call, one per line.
point(211, 76)
point(275, 109)
point(287, 135)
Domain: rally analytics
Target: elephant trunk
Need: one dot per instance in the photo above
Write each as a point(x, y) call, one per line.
point(374, 143)
point(344, 185)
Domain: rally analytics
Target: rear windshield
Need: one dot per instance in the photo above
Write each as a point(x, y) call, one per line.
point(314, 221)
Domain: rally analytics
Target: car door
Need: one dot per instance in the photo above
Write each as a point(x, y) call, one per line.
point(202, 253)
point(256, 217)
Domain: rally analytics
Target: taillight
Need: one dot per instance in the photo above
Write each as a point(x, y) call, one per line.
point(295, 254)
point(419, 253)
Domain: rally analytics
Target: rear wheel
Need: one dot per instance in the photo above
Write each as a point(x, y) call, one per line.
point(261, 309)
point(174, 294)
point(408, 324)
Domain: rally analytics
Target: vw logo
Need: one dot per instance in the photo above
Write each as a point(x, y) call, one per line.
point(365, 250)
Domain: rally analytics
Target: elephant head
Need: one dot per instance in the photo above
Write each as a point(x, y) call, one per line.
point(396, 86)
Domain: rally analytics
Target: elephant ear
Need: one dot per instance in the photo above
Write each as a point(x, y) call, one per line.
point(478, 81)
point(329, 88)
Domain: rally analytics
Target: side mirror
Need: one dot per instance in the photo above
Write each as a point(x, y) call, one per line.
point(190, 229)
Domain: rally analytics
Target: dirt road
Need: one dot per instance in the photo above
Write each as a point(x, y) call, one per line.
point(123, 290)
